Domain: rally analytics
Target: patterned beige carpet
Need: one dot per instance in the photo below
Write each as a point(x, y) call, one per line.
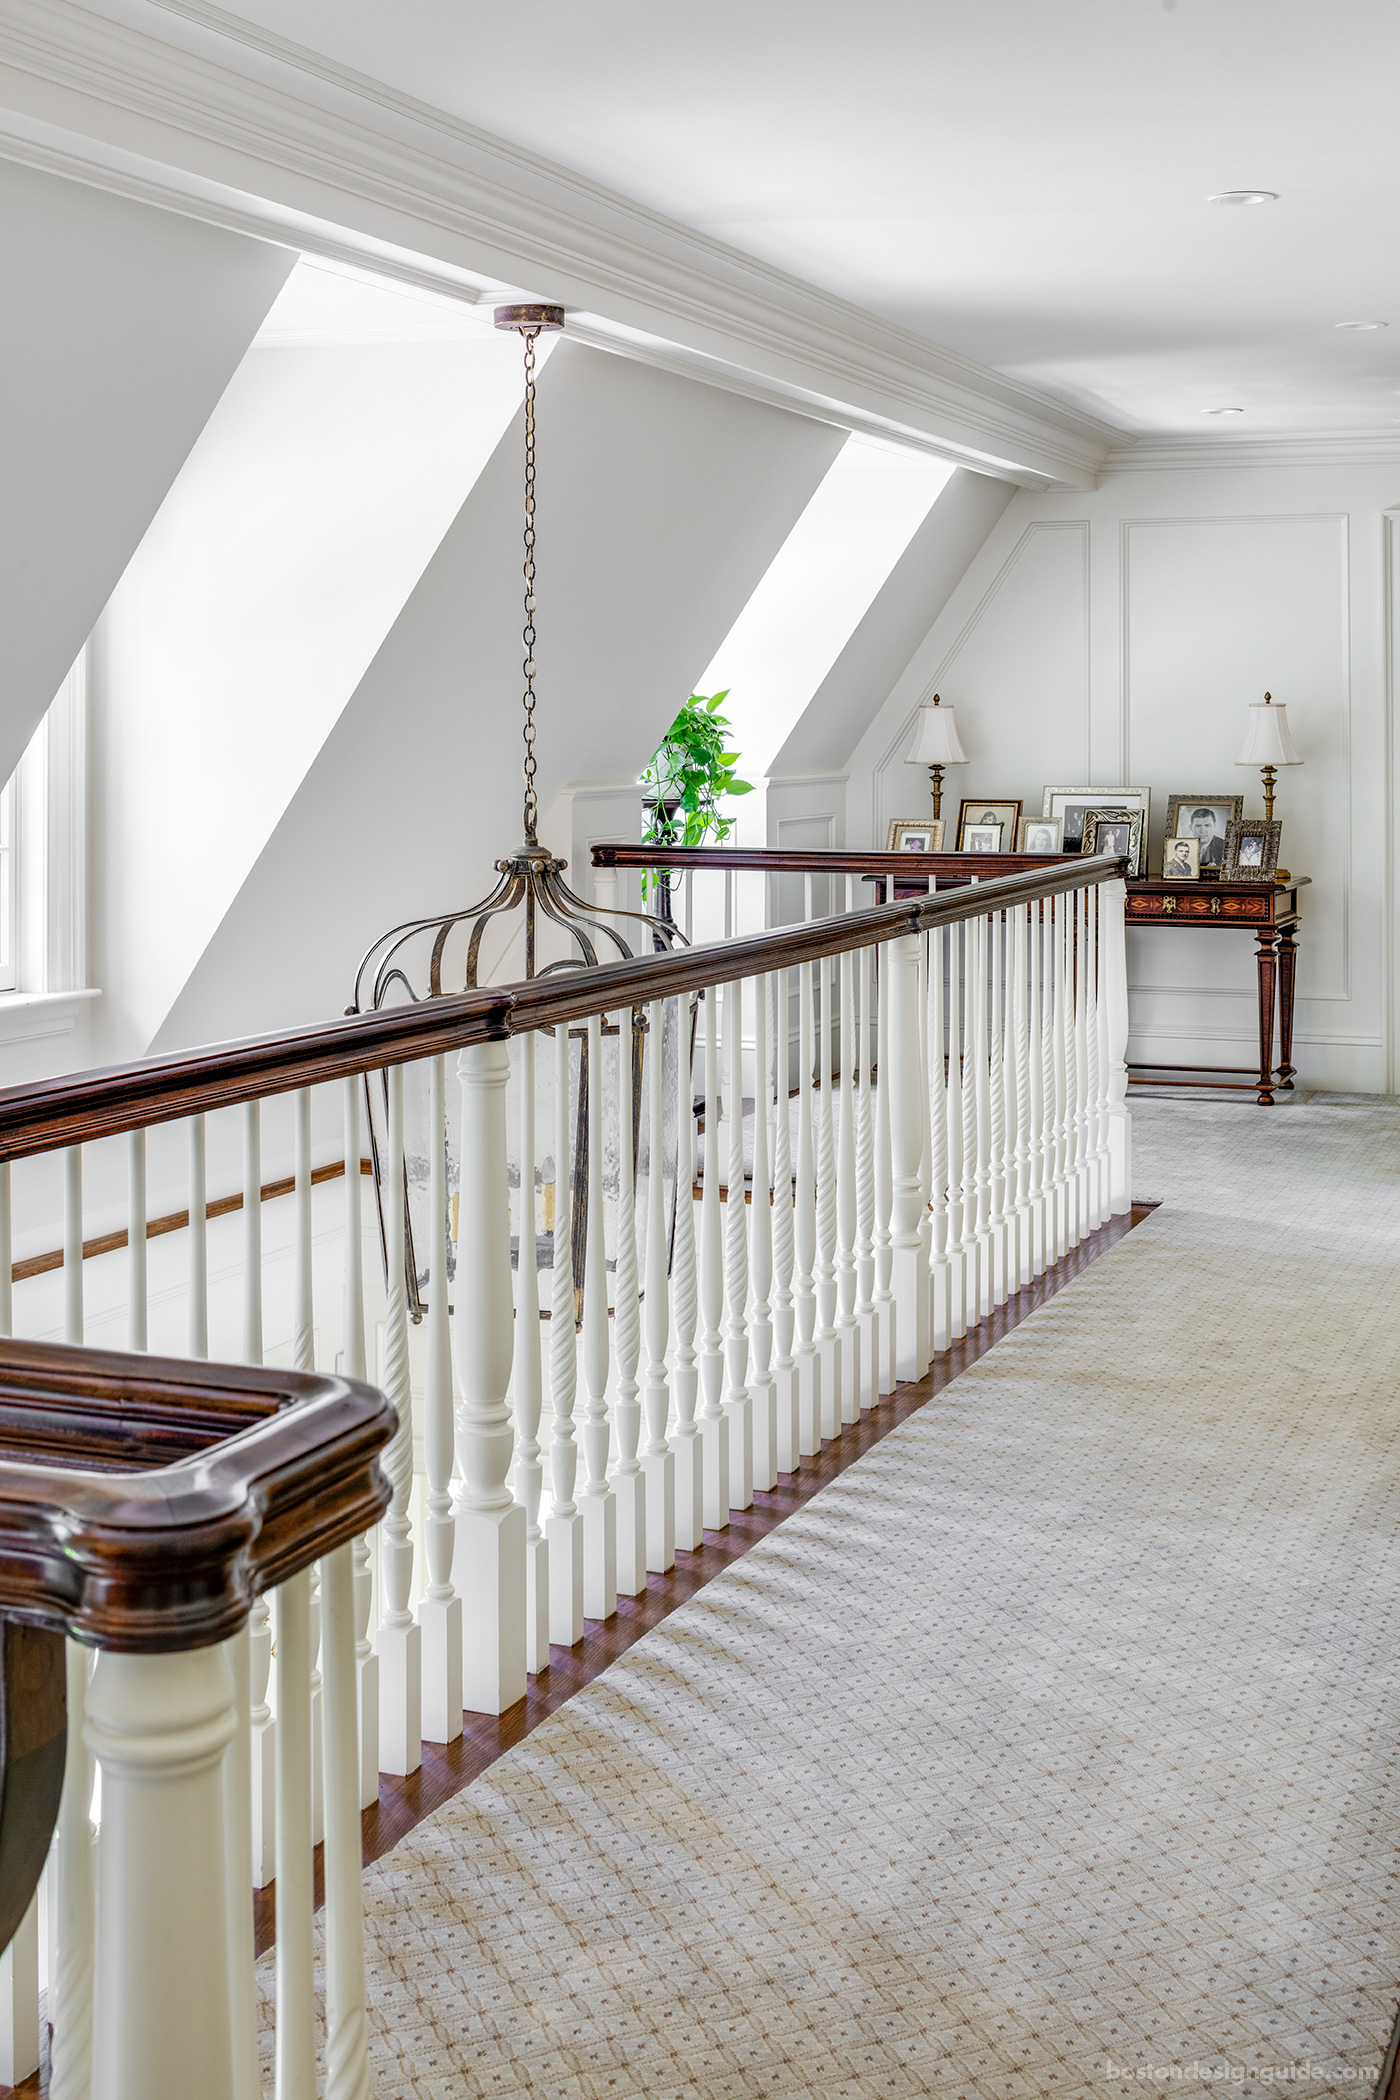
point(1051, 1751)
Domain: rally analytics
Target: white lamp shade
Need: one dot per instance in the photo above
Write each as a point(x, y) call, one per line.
point(1268, 742)
point(936, 739)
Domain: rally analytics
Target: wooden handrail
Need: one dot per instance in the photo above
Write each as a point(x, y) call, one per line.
point(71, 1111)
point(145, 1500)
point(816, 860)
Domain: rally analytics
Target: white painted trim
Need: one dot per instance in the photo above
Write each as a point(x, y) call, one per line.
point(378, 177)
point(1338, 448)
point(26, 1016)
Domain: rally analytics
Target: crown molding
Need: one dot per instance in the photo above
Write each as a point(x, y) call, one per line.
point(1337, 448)
point(290, 146)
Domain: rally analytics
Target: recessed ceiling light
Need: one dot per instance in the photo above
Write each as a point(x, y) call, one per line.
point(1246, 197)
point(1222, 411)
point(1360, 327)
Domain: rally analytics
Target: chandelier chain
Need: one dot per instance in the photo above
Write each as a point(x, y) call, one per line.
point(531, 802)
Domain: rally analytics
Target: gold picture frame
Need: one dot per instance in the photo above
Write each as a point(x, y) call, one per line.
point(1003, 811)
point(907, 835)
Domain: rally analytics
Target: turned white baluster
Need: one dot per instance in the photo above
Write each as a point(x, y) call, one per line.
point(526, 1380)
point(685, 1440)
point(1060, 1041)
point(629, 1485)
point(238, 1841)
point(136, 1239)
point(714, 1423)
point(1011, 1222)
point(353, 1363)
point(1099, 1062)
point(848, 1331)
point(296, 2005)
point(1050, 993)
point(598, 1505)
point(1069, 905)
point(941, 1313)
point(763, 1391)
point(1085, 1062)
point(252, 1233)
point(789, 1436)
point(972, 1269)
point(980, 932)
point(303, 1314)
point(884, 1172)
point(865, 1189)
point(400, 1640)
point(440, 1614)
point(347, 2039)
point(910, 1269)
point(199, 1242)
point(805, 1353)
point(958, 1313)
point(1113, 953)
point(996, 1108)
point(828, 1341)
point(159, 1726)
point(658, 1463)
point(564, 1526)
point(1042, 1090)
point(73, 1887)
point(489, 1559)
point(737, 1408)
point(73, 1244)
point(1022, 963)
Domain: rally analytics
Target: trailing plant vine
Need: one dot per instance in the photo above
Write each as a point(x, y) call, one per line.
point(688, 773)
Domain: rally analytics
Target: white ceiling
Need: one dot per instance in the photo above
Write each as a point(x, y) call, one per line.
point(1021, 181)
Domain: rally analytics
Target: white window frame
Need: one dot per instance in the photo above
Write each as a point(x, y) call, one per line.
point(43, 872)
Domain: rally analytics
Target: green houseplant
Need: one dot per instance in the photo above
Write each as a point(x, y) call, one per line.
point(688, 773)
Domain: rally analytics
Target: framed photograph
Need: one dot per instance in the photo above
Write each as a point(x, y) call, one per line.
point(1207, 818)
point(1042, 835)
point(980, 838)
point(1251, 850)
point(915, 835)
point(1181, 859)
point(1069, 804)
point(1113, 831)
point(1007, 814)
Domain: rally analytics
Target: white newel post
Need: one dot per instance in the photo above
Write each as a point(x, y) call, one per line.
point(763, 1391)
point(690, 1470)
point(490, 1554)
point(440, 1614)
point(658, 1463)
point(908, 1278)
point(564, 1527)
point(629, 1483)
point(400, 1640)
point(159, 1726)
point(1113, 949)
point(737, 1409)
point(598, 1503)
point(526, 1381)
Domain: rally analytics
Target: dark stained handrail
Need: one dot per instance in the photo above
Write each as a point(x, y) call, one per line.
point(821, 860)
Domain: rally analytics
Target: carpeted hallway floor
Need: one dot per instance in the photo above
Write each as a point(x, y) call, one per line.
point(1052, 1750)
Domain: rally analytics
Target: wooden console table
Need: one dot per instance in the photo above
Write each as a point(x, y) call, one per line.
point(1270, 912)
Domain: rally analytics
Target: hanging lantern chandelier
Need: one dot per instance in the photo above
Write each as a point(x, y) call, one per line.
point(411, 962)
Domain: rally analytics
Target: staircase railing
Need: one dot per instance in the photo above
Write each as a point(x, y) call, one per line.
point(665, 1242)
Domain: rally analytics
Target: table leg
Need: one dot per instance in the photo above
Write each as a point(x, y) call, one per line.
point(1287, 967)
point(1267, 962)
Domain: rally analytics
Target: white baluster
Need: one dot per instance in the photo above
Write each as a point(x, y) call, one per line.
point(527, 1382)
point(564, 1526)
point(71, 1983)
point(996, 1109)
point(440, 1614)
point(1059, 1045)
point(980, 930)
point(957, 1261)
point(658, 1463)
point(972, 1273)
point(159, 1726)
point(925, 1138)
point(789, 1438)
point(296, 2005)
point(941, 1313)
point(136, 1239)
point(845, 1150)
point(1022, 922)
point(1011, 1221)
point(252, 1233)
point(263, 1746)
point(400, 1640)
point(884, 1188)
point(199, 1242)
point(7, 1258)
point(353, 1363)
point(303, 1313)
point(598, 1505)
point(1098, 1066)
point(1083, 978)
point(738, 1411)
point(910, 1270)
point(805, 1353)
point(763, 1391)
point(489, 1557)
point(19, 2000)
point(73, 1244)
point(629, 1485)
point(347, 2062)
point(1042, 1077)
point(1113, 955)
point(714, 1424)
point(238, 1844)
point(865, 1191)
point(685, 1441)
point(1069, 906)
point(828, 1341)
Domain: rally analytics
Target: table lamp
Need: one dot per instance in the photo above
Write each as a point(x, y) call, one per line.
point(936, 745)
point(1268, 745)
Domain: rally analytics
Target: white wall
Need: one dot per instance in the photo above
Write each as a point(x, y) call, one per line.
point(123, 325)
point(1116, 638)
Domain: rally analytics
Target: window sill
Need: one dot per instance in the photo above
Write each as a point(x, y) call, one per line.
point(25, 1016)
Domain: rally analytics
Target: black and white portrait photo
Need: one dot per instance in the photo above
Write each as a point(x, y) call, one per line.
point(1207, 819)
point(1181, 860)
point(1251, 853)
point(981, 838)
point(1074, 805)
